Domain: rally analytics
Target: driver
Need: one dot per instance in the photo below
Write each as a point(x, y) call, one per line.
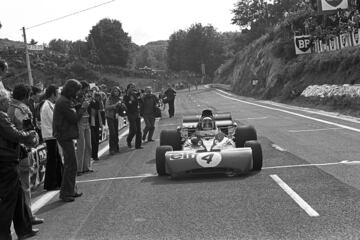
point(207, 123)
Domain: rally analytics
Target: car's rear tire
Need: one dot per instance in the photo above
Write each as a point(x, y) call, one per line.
point(256, 154)
point(243, 134)
point(171, 138)
point(160, 159)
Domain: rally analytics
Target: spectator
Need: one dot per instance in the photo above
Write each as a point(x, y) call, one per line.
point(170, 94)
point(131, 100)
point(149, 103)
point(65, 130)
point(83, 147)
point(95, 124)
point(13, 207)
point(3, 71)
point(20, 114)
point(53, 173)
point(33, 101)
point(110, 112)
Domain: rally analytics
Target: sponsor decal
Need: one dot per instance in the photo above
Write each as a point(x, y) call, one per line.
point(181, 156)
point(208, 159)
point(302, 44)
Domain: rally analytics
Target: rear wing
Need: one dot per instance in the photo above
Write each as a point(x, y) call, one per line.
point(222, 121)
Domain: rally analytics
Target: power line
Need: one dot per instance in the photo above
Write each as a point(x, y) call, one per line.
point(71, 14)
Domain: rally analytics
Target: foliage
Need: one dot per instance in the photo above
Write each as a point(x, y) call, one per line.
point(197, 45)
point(108, 43)
point(152, 55)
point(59, 45)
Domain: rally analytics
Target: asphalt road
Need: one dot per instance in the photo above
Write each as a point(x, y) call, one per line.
point(313, 154)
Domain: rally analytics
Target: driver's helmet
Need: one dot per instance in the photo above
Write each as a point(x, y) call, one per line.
point(207, 123)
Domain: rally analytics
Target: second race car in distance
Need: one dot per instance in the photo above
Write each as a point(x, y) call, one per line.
point(208, 143)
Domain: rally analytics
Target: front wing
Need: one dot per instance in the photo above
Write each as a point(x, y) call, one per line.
point(237, 160)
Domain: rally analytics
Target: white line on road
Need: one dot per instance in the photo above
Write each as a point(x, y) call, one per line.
point(292, 113)
point(256, 118)
point(43, 200)
point(301, 202)
point(277, 147)
point(344, 162)
point(313, 130)
point(146, 175)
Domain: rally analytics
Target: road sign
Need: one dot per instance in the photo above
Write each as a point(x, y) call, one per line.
point(36, 47)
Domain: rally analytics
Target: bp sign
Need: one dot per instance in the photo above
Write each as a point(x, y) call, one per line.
point(331, 5)
point(302, 44)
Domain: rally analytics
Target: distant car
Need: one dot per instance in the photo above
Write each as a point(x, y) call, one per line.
point(208, 143)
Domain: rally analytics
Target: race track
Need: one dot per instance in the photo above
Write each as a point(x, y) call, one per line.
point(308, 188)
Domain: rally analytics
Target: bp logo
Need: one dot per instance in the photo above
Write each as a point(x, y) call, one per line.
point(303, 44)
point(334, 3)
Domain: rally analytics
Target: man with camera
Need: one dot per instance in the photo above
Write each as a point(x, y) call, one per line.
point(21, 116)
point(65, 130)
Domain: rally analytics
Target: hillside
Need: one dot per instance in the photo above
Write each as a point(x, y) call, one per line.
point(283, 76)
point(50, 67)
point(153, 55)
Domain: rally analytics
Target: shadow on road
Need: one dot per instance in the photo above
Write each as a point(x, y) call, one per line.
point(197, 178)
point(51, 206)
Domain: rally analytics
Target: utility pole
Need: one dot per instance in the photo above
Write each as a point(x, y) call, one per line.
point(31, 82)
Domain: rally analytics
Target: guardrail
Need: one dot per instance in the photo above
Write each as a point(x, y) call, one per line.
point(226, 87)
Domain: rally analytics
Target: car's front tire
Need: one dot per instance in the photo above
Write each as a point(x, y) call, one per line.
point(160, 159)
point(170, 138)
point(256, 154)
point(243, 134)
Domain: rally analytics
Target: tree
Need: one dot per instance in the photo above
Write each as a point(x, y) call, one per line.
point(198, 45)
point(62, 46)
point(33, 42)
point(108, 41)
point(80, 49)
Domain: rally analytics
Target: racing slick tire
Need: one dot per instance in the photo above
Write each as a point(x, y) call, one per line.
point(243, 134)
point(256, 154)
point(171, 138)
point(160, 159)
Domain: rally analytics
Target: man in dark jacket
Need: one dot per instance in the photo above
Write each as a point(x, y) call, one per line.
point(149, 102)
point(170, 94)
point(12, 198)
point(65, 130)
point(132, 102)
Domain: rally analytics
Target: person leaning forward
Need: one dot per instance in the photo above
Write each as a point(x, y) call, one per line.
point(13, 207)
point(65, 130)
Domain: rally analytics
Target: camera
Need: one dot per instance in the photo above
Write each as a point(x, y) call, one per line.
point(28, 125)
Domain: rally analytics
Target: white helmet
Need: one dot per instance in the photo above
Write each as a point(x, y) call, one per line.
point(207, 123)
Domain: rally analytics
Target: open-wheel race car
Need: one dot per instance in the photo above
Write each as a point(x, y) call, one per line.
point(208, 143)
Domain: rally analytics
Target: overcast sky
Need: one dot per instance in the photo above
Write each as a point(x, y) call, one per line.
point(143, 20)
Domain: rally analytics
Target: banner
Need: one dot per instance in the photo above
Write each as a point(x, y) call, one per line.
point(37, 165)
point(355, 37)
point(333, 5)
point(345, 40)
point(302, 44)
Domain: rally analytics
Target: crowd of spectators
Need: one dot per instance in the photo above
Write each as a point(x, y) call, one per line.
point(69, 120)
point(329, 25)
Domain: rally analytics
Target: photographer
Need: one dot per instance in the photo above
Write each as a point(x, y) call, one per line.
point(65, 130)
point(13, 207)
point(20, 114)
point(83, 150)
point(132, 101)
point(111, 105)
point(95, 124)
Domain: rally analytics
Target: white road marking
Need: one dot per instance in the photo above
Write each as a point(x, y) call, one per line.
point(43, 200)
point(344, 162)
point(256, 118)
point(277, 147)
point(318, 112)
point(293, 113)
point(313, 130)
point(146, 175)
point(301, 202)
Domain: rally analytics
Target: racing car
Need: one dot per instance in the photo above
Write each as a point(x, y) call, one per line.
point(208, 143)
